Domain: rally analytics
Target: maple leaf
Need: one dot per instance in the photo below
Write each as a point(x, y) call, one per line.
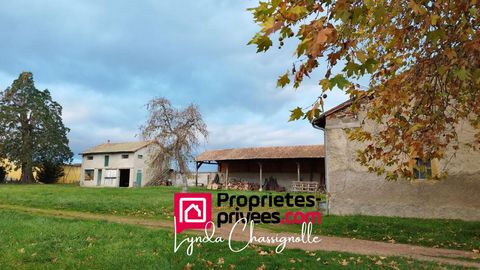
point(339, 81)
point(324, 35)
point(283, 80)
point(298, 11)
point(263, 42)
point(296, 114)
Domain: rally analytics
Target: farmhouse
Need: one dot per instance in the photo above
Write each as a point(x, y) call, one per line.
point(116, 165)
point(286, 165)
point(354, 190)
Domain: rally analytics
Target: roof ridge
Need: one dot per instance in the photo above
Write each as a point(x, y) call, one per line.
point(110, 147)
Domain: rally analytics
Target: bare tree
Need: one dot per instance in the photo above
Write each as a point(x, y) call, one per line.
point(175, 134)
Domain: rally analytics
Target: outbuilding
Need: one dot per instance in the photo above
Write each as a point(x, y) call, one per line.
point(353, 190)
point(293, 167)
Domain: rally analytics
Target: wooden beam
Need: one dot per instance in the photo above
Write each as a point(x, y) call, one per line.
point(298, 171)
point(261, 176)
point(197, 166)
point(226, 176)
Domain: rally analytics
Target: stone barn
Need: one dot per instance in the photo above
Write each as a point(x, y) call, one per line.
point(290, 166)
point(353, 190)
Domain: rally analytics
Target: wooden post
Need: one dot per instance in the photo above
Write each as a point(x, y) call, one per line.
point(197, 165)
point(298, 171)
point(226, 176)
point(261, 176)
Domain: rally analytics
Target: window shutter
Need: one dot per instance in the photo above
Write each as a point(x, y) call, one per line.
point(435, 166)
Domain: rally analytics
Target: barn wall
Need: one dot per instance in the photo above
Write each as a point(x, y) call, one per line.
point(72, 173)
point(353, 190)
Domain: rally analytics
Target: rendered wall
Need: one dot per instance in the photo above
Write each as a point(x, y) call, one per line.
point(116, 162)
point(353, 190)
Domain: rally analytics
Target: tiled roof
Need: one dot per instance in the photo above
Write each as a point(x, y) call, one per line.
point(125, 147)
point(276, 152)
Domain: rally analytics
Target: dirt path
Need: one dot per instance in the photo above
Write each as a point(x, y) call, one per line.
point(328, 243)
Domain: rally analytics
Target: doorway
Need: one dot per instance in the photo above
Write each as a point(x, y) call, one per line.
point(139, 178)
point(99, 177)
point(124, 177)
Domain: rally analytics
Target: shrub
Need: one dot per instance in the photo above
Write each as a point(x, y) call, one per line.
point(49, 172)
point(3, 174)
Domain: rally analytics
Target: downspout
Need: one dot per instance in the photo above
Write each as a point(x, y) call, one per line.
point(325, 162)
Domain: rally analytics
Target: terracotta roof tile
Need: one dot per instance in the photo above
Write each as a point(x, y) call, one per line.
point(276, 152)
point(125, 147)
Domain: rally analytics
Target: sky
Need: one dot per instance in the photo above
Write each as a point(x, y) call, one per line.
point(104, 60)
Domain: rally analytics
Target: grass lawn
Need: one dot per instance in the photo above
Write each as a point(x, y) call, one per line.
point(157, 203)
point(452, 234)
point(35, 242)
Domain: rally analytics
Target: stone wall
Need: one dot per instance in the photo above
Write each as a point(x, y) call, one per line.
point(353, 190)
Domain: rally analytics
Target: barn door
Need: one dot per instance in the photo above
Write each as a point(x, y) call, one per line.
point(139, 178)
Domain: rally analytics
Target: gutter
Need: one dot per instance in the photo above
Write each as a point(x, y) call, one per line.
point(319, 123)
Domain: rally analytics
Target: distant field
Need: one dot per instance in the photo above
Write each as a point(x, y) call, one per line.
point(157, 203)
point(35, 242)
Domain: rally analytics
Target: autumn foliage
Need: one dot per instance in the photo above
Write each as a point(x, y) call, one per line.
point(421, 59)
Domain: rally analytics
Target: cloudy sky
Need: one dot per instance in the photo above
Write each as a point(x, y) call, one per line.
point(103, 60)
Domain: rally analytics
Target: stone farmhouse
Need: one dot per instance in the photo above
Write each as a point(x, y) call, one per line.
point(353, 190)
point(116, 165)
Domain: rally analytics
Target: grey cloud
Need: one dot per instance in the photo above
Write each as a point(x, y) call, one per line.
point(103, 60)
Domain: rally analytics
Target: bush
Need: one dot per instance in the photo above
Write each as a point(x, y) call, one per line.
point(49, 172)
point(3, 174)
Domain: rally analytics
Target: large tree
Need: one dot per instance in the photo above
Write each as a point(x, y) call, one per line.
point(421, 60)
point(31, 127)
point(175, 134)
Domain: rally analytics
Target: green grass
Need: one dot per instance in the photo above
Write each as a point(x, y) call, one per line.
point(35, 242)
point(149, 202)
point(157, 203)
point(452, 234)
point(142, 202)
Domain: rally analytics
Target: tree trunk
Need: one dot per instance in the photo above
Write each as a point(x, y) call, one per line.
point(185, 183)
point(182, 169)
point(27, 152)
point(27, 174)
